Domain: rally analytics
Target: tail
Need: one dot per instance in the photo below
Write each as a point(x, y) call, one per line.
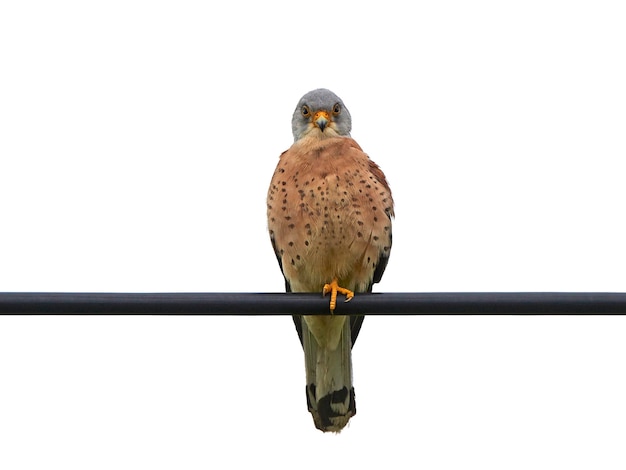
point(328, 363)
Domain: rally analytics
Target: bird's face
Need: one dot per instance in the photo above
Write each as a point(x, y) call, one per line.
point(320, 113)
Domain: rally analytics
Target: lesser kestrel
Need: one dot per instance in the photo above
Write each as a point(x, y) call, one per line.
point(329, 211)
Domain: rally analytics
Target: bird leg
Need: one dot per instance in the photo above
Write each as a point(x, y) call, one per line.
point(333, 288)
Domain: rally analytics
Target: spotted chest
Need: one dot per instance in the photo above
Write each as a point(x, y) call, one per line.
point(329, 210)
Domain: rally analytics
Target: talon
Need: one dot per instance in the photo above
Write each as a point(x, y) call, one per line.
point(335, 288)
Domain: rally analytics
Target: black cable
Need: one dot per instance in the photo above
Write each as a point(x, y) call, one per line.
point(522, 303)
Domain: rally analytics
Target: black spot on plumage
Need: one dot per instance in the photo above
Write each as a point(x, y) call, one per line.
point(325, 409)
point(339, 396)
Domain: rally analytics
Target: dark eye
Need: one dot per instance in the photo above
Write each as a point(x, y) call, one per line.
point(306, 111)
point(336, 109)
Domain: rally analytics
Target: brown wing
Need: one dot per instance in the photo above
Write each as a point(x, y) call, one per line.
point(389, 211)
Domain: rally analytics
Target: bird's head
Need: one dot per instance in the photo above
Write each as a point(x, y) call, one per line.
point(321, 113)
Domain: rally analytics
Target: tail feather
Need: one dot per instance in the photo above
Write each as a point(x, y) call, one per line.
point(329, 390)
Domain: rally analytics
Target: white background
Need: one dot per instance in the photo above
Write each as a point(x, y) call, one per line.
point(137, 141)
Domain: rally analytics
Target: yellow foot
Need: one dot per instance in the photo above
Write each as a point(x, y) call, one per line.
point(333, 288)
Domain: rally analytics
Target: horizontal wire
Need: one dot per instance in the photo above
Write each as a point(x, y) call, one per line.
point(452, 303)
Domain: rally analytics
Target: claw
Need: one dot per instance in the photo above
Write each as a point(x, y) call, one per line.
point(334, 288)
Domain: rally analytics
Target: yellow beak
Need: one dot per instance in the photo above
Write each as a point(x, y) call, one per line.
point(321, 119)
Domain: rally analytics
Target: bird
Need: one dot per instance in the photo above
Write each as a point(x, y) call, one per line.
point(329, 213)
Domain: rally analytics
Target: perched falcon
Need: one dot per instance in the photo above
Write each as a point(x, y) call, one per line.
point(329, 211)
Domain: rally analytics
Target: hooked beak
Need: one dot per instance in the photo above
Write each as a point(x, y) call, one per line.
point(321, 119)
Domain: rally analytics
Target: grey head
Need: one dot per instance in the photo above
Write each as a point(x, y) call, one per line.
point(321, 112)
